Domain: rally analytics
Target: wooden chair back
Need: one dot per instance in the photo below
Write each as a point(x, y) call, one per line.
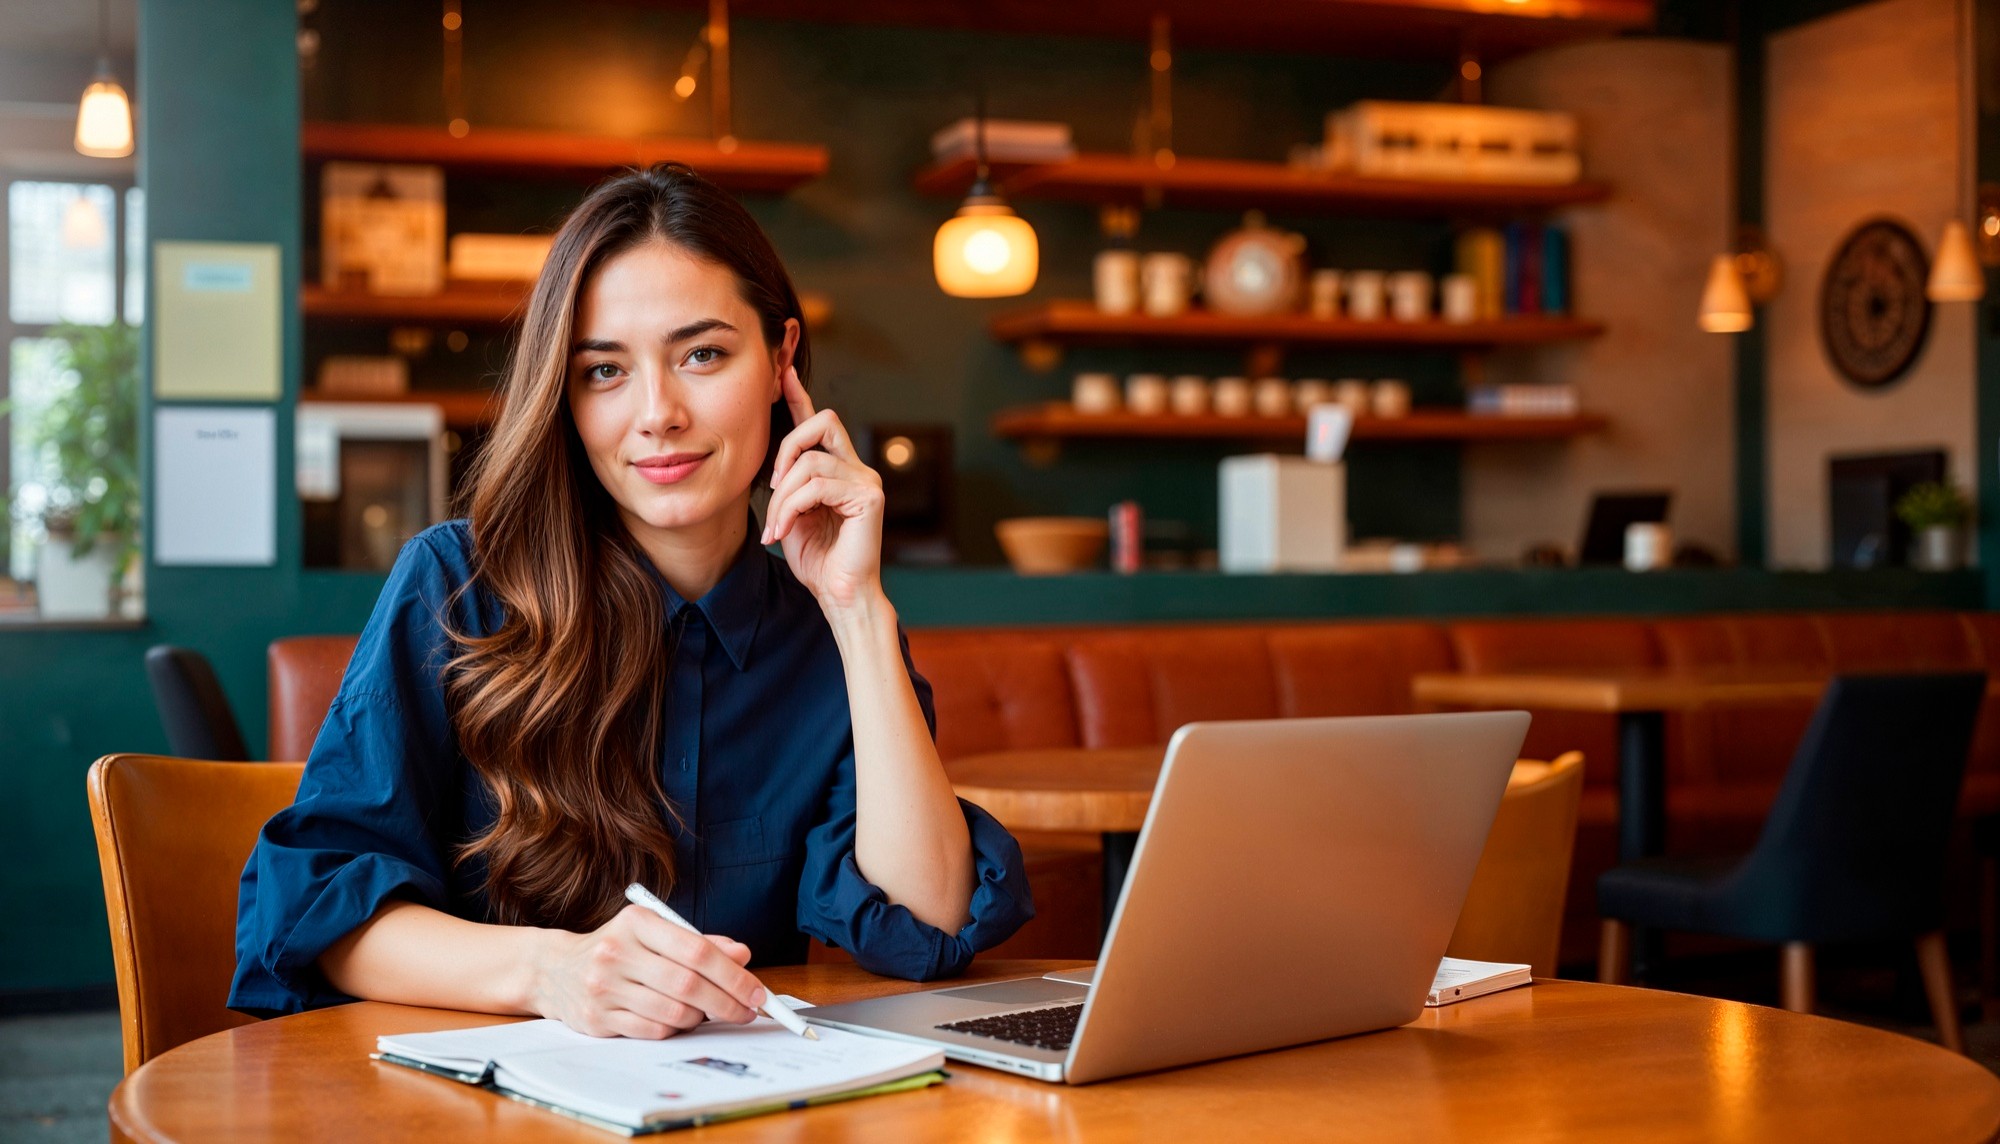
point(172, 837)
point(1514, 911)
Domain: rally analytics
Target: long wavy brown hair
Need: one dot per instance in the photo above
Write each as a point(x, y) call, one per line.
point(560, 710)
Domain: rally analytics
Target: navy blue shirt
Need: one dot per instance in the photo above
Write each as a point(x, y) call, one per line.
point(758, 759)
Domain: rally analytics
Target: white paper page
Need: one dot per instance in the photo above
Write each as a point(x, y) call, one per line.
point(469, 1050)
point(711, 1069)
point(215, 485)
point(1454, 972)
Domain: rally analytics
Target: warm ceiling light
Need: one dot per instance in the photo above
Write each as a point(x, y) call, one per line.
point(985, 250)
point(83, 225)
point(1725, 305)
point(104, 119)
point(104, 115)
point(1955, 273)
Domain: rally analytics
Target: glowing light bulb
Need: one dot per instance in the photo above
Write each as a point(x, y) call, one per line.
point(986, 251)
point(104, 120)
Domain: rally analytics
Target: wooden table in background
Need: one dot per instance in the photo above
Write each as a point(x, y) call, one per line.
point(1640, 700)
point(1069, 788)
point(1554, 1062)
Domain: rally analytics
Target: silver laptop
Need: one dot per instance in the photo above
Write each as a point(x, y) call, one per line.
point(1296, 879)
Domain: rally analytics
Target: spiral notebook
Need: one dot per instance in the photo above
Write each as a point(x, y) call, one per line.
point(714, 1072)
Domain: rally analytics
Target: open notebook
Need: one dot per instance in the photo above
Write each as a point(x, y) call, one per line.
point(715, 1072)
point(1461, 980)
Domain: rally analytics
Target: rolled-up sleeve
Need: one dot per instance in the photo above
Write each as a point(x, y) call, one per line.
point(842, 908)
point(374, 809)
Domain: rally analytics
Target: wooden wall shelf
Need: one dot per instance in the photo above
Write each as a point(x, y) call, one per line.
point(1059, 420)
point(750, 166)
point(1236, 184)
point(1428, 29)
point(463, 408)
point(1075, 322)
point(482, 305)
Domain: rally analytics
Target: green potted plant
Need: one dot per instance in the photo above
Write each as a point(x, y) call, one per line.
point(1935, 511)
point(85, 442)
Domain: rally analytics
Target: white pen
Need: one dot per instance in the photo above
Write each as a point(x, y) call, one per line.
point(773, 1008)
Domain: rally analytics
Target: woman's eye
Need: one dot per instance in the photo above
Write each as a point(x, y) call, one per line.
point(602, 371)
point(704, 355)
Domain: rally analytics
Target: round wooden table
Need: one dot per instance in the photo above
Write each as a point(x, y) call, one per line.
point(1069, 788)
point(1557, 1061)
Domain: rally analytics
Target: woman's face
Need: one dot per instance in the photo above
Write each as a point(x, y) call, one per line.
point(671, 384)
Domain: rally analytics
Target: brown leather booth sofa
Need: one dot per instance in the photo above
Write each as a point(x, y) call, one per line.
point(1000, 689)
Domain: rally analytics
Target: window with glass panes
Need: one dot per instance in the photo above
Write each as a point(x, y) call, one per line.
point(72, 256)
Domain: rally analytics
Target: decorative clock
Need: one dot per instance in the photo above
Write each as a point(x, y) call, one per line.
point(1254, 271)
point(1873, 315)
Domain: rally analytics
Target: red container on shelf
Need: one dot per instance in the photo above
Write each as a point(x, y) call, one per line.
point(1128, 537)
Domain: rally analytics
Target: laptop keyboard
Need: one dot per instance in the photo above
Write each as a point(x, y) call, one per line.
point(1052, 1028)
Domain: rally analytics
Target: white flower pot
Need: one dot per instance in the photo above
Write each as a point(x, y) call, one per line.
point(1937, 548)
point(68, 588)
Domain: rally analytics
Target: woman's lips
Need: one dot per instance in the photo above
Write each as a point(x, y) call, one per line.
point(667, 470)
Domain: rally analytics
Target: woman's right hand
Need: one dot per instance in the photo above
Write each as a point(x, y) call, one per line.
point(639, 975)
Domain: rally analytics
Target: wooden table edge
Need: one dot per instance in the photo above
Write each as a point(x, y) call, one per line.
point(847, 982)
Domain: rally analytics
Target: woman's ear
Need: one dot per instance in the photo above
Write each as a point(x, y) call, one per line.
point(781, 358)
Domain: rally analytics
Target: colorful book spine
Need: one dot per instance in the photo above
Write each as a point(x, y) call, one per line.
point(1555, 270)
point(1531, 269)
point(1479, 256)
point(1510, 269)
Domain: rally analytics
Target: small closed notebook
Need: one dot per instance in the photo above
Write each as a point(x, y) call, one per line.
point(715, 1072)
point(1461, 980)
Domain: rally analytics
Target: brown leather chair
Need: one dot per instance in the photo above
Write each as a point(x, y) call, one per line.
point(1514, 911)
point(172, 837)
point(304, 673)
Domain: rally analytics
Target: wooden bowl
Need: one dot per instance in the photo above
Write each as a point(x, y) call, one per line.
point(1051, 545)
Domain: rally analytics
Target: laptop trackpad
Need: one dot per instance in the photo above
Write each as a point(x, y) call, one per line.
point(1026, 991)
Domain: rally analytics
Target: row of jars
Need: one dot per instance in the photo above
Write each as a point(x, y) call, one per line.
point(1162, 285)
point(1191, 395)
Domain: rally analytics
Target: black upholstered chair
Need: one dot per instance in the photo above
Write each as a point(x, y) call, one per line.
point(192, 706)
point(1854, 848)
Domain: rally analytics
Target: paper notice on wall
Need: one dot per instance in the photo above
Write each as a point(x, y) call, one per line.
point(216, 321)
point(215, 485)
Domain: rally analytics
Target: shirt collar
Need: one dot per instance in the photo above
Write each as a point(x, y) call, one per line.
point(736, 603)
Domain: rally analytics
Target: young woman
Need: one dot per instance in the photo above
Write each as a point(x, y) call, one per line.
point(603, 677)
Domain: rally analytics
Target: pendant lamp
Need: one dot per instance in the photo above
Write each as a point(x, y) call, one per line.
point(83, 226)
point(1956, 275)
point(104, 115)
point(985, 250)
point(1725, 304)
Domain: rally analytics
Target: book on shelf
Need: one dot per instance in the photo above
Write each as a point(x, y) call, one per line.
point(1522, 400)
point(1481, 255)
point(1007, 141)
point(1522, 268)
point(1555, 270)
point(633, 1087)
